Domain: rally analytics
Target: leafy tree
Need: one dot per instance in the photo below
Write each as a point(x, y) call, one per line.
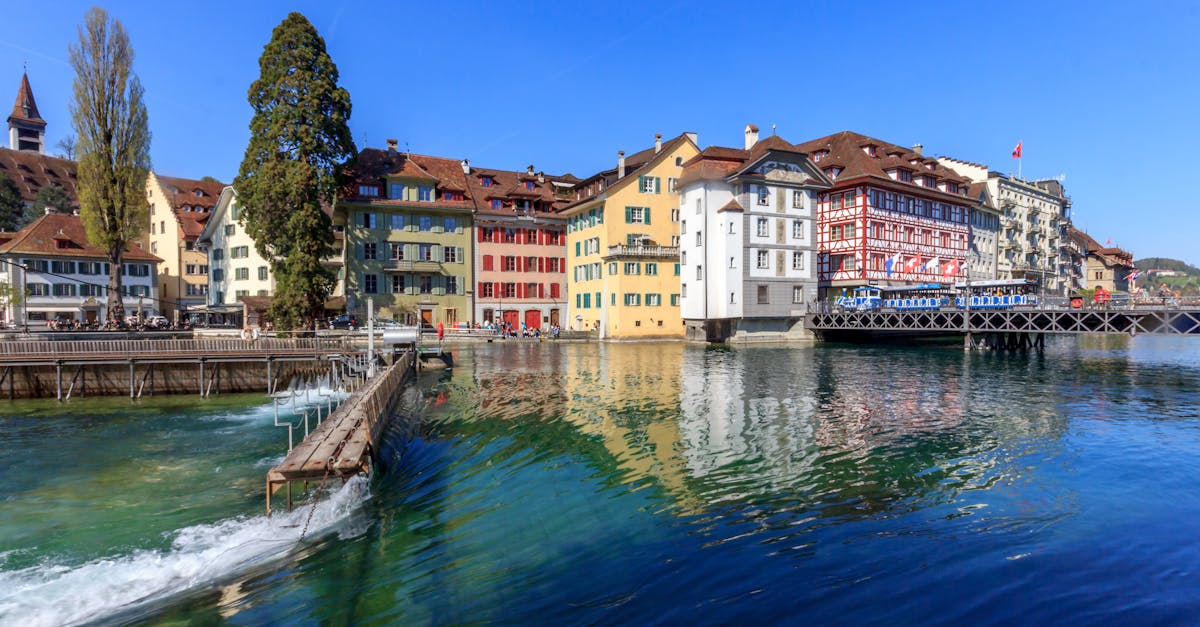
point(11, 295)
point(11, 204)
point(109, 116)
point(53, 196)
point(298, 137)
point(209, 179)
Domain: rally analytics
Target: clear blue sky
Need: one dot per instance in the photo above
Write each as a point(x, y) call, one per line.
point(1104, 93)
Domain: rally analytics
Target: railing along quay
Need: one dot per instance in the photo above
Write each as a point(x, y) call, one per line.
point(51, 350)
point(1133, 321)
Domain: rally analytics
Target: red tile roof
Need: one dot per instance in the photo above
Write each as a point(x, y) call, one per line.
point(845, 150)
point(198, 196)
point(25, 108)
point(31, 171)
point(635, 164)
point(40, 237)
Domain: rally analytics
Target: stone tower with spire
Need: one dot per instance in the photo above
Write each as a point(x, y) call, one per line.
point(26, 128)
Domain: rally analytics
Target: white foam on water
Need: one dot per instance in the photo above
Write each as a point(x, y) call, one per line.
point(53, 594)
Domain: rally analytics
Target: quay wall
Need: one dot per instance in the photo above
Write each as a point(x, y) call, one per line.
point(148, 379)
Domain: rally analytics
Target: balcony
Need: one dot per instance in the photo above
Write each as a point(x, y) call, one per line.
point(399, 265)
point(641, 251)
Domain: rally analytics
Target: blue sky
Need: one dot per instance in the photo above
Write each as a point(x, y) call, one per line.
point(1103, 93)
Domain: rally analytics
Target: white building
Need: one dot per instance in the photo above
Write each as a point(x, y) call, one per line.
point(235, 268)
point(748, 240)
point(1034, 216)
point(65, 277)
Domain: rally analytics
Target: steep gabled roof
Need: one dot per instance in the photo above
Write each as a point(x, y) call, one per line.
point(25, 108)
point(198, 197)
point(635, 165)
point(41, 237)
point(845, 150)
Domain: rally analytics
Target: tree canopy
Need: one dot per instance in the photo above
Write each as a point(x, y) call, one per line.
point(109, 116)
point(53, 196)
point(12, 206)
point(298, 137)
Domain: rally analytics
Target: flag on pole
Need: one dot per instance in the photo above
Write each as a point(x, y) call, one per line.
point(1017, 150)
point(912, 264)
point(933, 264)
point(1135, 275)
point(891, 264)
point(1108, 242)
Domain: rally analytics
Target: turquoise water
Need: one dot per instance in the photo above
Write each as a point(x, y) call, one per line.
point(635, 483)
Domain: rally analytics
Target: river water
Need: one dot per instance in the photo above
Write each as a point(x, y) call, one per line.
point(641, 483)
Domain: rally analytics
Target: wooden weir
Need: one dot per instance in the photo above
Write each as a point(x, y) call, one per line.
point(343, 444)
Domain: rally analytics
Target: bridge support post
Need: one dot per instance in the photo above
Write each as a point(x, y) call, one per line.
point(968, 342)
point(201, 382)
point(58, 371)
point(131, 379)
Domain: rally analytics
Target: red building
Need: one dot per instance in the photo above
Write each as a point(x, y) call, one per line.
point(892, 217)
point(521, 244)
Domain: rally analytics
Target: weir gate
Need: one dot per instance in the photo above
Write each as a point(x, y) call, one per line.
point(862, 324)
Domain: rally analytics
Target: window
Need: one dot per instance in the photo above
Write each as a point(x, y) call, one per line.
point(633, 300)
point(485, 181)
point(398, 253)
point(764, 295)
point(218, 275)
point(637, 215)
point(841, 231)
point(732, 298)
point(241, 274)
point(510, 290)
point(674, 300)
point(674, 214)
point(797, 260)
point(262, 273)
point(189, 245)
point(450, 254)
point(425, 223)
point(450, 225)
point(426, 284)
point(797, 199)
point(676, 269)
point(841, 262)
point(425, 252)
point(396, 191)
point(653, 300)
point(763, 259)
point(649, 184)
point(762, 227)
point(230, 228)
point(366, 220)
point(192, 290)
point(38, 289)
point(370, 283)
point(699, 273)
point(486, 290)
point(396, 221)
point(683, 227)
point(797, 294)
point(64, 289)
point(451, 285)
point(733, 262)
point(189, 268)
point(510, 236)
point(370, 191)
point(425, 193)
point(797, 229)
point(651, 269)
point(497, 203)
point(62, 267)
point(671, 181)
point(633, 267)
point(370, 250)
point(764, 195)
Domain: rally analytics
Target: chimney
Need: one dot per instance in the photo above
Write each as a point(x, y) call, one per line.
point(692, 136)
point(541, 177)
point(466, 166)
point(529, 170)
point(751, 136)
point(657, 142)
point(918, 148)
point(392, 144)
point(620, 164)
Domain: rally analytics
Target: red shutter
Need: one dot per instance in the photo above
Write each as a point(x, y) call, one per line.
point(541, 264)
point(497, 236)
point(497, 289)
point(520, 264)
point(562, 264)
point(480, 233)
point(520, 290)
point(487, 262)
point(481, 288)
point(541, 290)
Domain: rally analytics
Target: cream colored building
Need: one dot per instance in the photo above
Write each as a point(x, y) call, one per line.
point(179, 210)
point(235, 268)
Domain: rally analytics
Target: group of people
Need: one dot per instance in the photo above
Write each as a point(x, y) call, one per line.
point(507, 329)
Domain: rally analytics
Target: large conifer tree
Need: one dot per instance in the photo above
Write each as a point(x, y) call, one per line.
point(109, 117)
point(298, 137)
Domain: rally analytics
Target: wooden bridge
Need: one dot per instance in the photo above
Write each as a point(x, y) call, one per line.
point(342, 446)
point(1157, 321)
point(74, 357)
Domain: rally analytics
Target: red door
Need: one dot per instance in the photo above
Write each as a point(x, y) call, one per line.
point(512, 318)
point(533, 319)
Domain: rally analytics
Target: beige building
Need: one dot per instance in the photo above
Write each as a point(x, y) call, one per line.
point(179, 209)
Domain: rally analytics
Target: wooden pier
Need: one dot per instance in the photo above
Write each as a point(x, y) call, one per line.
point(343, 445)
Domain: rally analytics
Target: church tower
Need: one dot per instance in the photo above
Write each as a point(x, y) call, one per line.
point(26, 128)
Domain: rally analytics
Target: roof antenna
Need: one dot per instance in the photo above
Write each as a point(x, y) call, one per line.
point(407, 150)
point(773, 130)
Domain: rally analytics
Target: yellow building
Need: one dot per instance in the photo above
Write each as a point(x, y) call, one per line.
point(623, 245)
point(179, 209)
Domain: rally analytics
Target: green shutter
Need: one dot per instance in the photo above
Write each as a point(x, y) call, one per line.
point(641, 183)
point(657, 186)
point(600, 215)
point(462, 255)
point(646, 212)
point(614, 299)
point(437, 252)
point(577, 249)
point(628, 215)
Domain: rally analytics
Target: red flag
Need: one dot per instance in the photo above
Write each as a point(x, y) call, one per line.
point(1017, 151)
point(1108, 242)
point(951, 268)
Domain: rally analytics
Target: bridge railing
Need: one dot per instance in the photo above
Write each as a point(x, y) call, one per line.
point(197, 346)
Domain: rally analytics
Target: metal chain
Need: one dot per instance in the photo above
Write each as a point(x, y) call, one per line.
point(316, 498)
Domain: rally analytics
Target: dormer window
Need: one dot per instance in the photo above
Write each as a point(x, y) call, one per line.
point(485, 181)
point(62, 244)
point(198, 193)
point(819, 155)
point(371, 191)
point(497, 203)
point(869, 149)
point(904, 176)
point(929, 181)
point(529, 185)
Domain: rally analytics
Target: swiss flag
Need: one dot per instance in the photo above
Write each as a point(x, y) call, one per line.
point(913, 264)
point(951, 267)
point(1017, 150)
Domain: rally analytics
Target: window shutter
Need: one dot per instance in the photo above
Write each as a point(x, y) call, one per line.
point(487, 262)
point(541, 264)
point(481, 288)
point(576, 249)
point(359, 249)
point(657, 185)
point(461, 256)
point(520, 264)
point(541, 290)
point(628, 215)
point(641, 183)
point(646, 212)
point(481, 233)
point(562, 265)
point(437, 252)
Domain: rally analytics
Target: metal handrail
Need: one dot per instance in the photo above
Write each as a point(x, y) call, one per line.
point(141, 347)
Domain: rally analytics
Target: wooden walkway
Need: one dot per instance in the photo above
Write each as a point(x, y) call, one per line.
point(71, 352)
point(343, 444)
